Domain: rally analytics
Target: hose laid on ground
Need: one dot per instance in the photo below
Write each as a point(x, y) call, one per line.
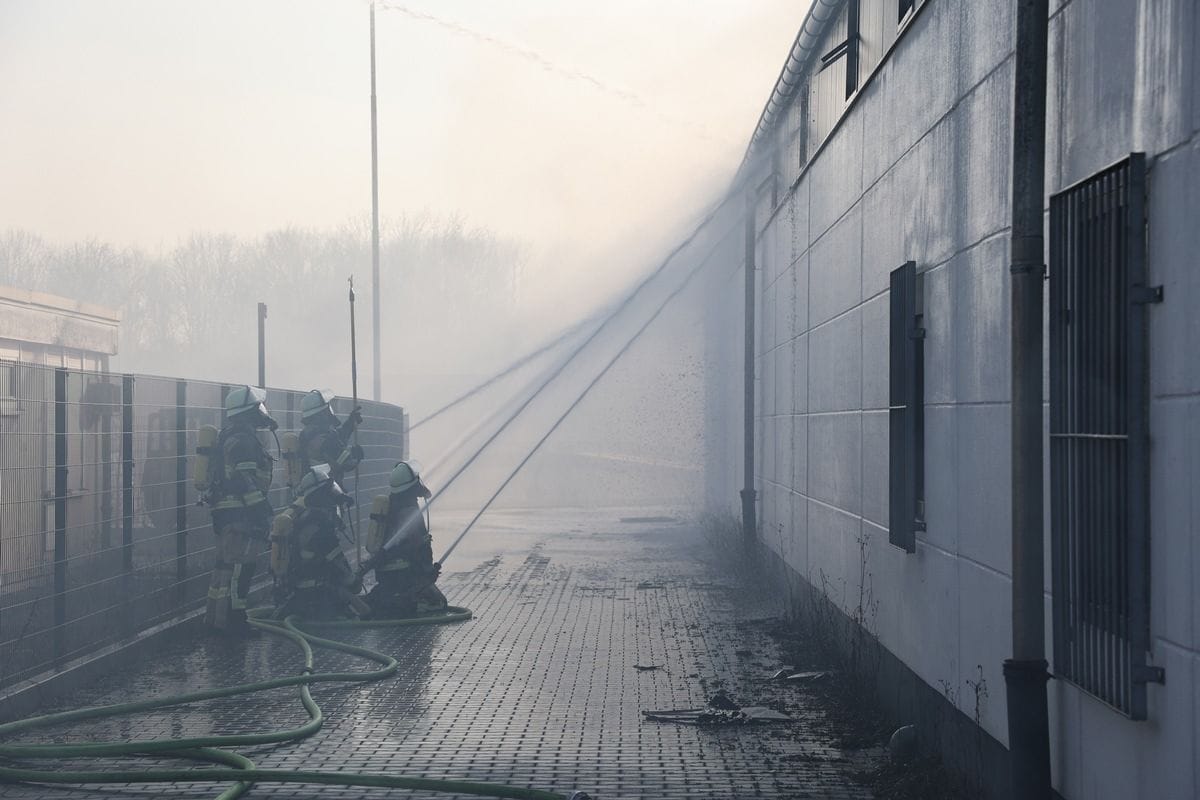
point(209, 749)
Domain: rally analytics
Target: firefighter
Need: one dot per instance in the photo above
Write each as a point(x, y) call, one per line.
point(313, 578)
point(326, 440)
point(238, 476)
point(401, 550)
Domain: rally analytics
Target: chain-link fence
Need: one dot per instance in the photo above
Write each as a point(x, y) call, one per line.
point(101, 534)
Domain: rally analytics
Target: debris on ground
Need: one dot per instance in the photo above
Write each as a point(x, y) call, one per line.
point(801, 676)
point(812, 676)
point(647, 667)
point(718, 716)
point(723, 702)
point(721, 710)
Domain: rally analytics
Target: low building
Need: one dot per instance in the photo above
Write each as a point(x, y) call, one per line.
point(47, 330)
point(38, 333)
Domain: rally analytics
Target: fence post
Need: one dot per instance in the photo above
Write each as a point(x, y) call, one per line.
point(60, 512)
point(107, 505)
point(181, 515)
point(127, 474)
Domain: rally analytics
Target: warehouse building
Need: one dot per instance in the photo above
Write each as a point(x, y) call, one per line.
point(879, 217)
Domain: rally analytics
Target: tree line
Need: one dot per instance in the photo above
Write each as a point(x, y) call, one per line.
point(192, 307)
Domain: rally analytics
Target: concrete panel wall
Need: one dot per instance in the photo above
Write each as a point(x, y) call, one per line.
point(918, 169)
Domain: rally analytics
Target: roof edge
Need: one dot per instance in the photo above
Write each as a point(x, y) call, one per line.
point(58, 305)
point(820, 15)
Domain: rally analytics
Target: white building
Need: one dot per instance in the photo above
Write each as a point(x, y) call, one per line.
point(888, 140)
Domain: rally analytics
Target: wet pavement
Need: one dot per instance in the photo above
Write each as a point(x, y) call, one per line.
point(540, 689)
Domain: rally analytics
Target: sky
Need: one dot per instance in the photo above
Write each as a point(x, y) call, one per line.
point(593, 132)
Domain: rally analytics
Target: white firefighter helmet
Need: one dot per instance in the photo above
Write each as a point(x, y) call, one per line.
point(318, 488)
point(245, 398)
point(316, 401)
point(405, 475)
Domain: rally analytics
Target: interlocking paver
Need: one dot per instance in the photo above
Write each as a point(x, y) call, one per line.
point(539, 689)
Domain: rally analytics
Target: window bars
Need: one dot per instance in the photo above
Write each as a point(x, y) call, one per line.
point(1099, 436)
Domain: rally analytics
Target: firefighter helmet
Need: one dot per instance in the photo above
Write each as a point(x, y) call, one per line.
point(244, 399)
point(315, 402)
point(404, 477)
point(318, 488)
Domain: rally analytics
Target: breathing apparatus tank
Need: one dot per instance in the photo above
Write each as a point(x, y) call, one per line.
point(203, 477)
point(377, 529)
point(293, 461)
point(281, 541)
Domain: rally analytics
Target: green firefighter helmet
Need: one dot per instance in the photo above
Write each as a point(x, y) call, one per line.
point(404, 477)
point(244, 399)
point(315, 402)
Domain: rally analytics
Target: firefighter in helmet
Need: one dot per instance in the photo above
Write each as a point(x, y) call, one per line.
point(402, 550)
point(326, 440)
point(239, 469)
point(312, 576)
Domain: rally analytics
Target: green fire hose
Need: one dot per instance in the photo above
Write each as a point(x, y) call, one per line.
point(211, 749)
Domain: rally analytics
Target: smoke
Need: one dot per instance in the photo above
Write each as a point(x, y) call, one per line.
point(680, 124)
point(193, 307)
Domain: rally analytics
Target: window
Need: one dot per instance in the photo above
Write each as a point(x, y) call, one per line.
point(1099, 436)
point(906, 411)
point(848, 48)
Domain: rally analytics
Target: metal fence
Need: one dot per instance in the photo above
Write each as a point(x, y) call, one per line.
point(101, 536)
point(1099, 436)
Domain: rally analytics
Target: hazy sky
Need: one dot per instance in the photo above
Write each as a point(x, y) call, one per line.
point(564, 123)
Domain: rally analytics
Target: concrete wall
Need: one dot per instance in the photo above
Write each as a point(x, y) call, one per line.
point(1126, 77)
point(918, 169)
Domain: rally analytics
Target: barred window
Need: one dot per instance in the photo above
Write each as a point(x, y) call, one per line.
point(1099, 436)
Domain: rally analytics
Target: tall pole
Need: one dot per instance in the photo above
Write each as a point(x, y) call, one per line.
point(1025, 674)
point(262, 345)
point(375, 337)
point(354, 395)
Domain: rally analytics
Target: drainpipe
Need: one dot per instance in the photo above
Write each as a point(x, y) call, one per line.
point(1026, 674)
point(749, 523)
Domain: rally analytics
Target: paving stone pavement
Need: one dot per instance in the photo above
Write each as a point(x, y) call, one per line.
point(539, 689)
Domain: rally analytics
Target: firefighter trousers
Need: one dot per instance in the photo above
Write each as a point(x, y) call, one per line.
point(237, 546)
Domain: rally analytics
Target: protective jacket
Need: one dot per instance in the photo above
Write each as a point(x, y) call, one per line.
point(241, 514)
point(405, 573)
point(316, 581)
point(324, 440)
point(415, 547)
point(245, 475)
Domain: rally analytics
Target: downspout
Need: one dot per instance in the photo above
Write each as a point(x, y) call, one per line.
point(1026, 674)
point(749, 522)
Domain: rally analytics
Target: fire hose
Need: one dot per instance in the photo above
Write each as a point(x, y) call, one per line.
point(214, 749)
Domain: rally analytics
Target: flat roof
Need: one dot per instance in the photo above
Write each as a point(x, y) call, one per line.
point(63, 305)
point(40, 318)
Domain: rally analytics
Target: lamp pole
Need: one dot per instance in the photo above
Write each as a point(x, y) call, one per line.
point(375, 338)
point(262, 345)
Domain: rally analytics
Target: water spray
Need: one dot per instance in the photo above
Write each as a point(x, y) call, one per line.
point(555, 342)
point(575, 404)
